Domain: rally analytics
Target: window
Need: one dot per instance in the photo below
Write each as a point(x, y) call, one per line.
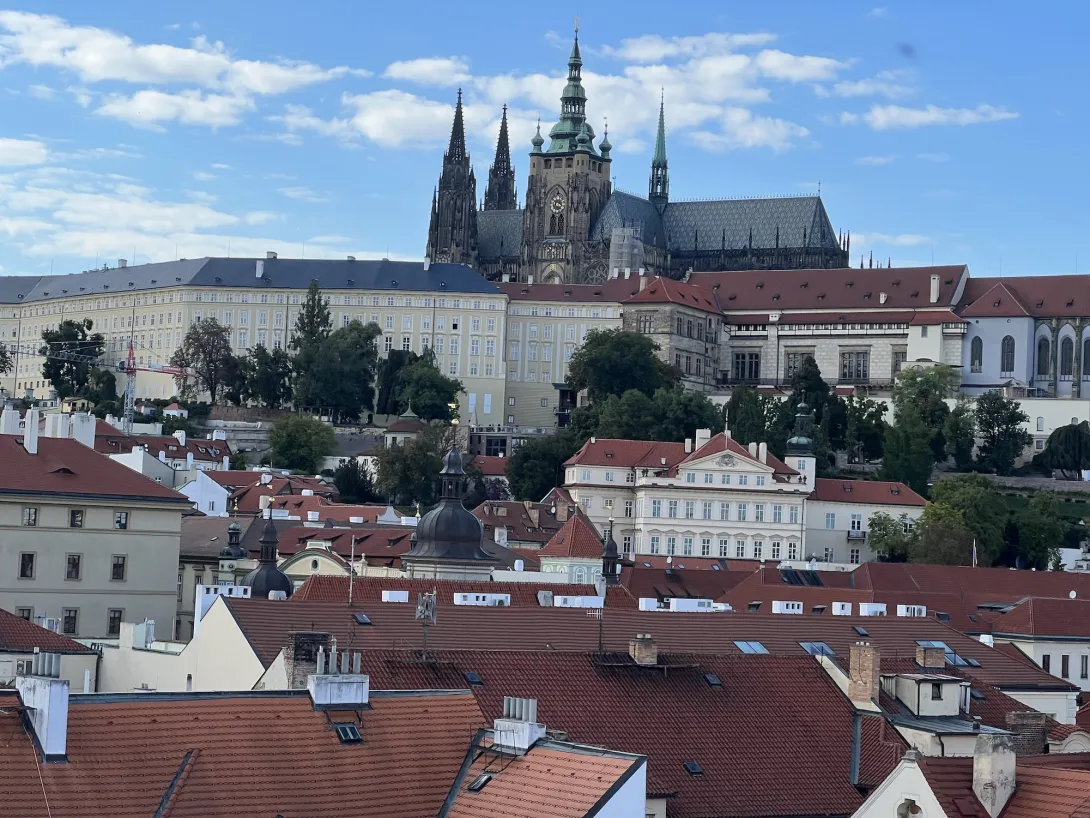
point(792, 551)
point(743, 479)
point(626, 544)
point(899, 358)
point(1065, 665)
point(758, 549)
point(30, 516)
point(747, 366)
point(706, 510)
point(775, 549)
point(724, 511)
point(777, 514)
point(117, 568)
point(75, 518)
point(584, 475)
point(73, 566)
point(609, 477)
point(1044, 348)
point(26, 566)
point(857, 522)
point(1046, 663)
point(740, 549)
point(759, 512)
point(709, 477)
point(627, 508)
point(654, 544)
point(936, 691)
point(725, 479)
point(743, 509)
point(830, 519)
point(672, 512)
point(817, 649)
point(750, 647)
point(113, 621)
point(1006, 357)
point(687, 546)
point(121, 520)
point(793, 515)
point(829, 554)
point(791, 363)
point(1084, 666)
point(607, 503)
point(855, 366)
point(976, 355)
point(1040, 424)
point(690, 509)
point(690, 477)
point(70, 621)
point(760, 480)
point(656, 508)
point(705, 546)
point(28, 614)
point(724, 547)
point(1067, 358)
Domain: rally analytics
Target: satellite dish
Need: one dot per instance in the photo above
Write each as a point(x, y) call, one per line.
point(669, 560)
point(1072, 595)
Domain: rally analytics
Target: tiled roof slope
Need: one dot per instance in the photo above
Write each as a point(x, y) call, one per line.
point(770, 714)
point(869, 492)
point(722, 443)
point(998, 584)
point(248, 497)
point(685, 583)
point(669, 291)
point(1045, 789)
point(203, 450)
point(64, 466)
point(1044, 618)
point(369, 589)
point(578, 538)
point(844, 288)
point(239, 756)
point(612, 290)
point(628, 454)
point(1018, 296)
point(525, 521)
point(18, 635)
point(298, 505)
point(491, 466)
point(499, 233)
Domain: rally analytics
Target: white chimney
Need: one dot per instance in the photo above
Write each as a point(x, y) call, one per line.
point(270, 254)
point(83, 429)
point(688, 445)
point(266, 478)
point(180, 436)
point(506, 278)
point(994, 771)
point(162, 457)
point(219, 434)
point(226, 463)
point(52, 423)
point(628, 272)
point(46, 699)
point(189, 460)
point(136, 449)
point(345, 691)
point(762, 452)
point(529, 279)
point(427, 264)
point(259, 268)
point(883, 297)
point(307, 492)
point(935, 289)
point(30, 431)
point(616, 273)
point(518, 730)
point(312, 516)
point(122, 263)
point(702, 437)
point(753, 449)
point(9, 421)
point(520, 565)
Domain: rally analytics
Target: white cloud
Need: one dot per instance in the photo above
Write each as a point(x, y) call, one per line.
point(430, 71)
point(150, 108)
point(261, 217)
point(302, 194)
point(875, 160)
point(652, 48)
point(742, 129)
point(792, 68)
point(203, 176)
point(894, 240)
point(888, 117)
point(220, 166)
point(21, 152)
point(82, 96)
point(12, 227)
point(889, 84)
point(43, 92)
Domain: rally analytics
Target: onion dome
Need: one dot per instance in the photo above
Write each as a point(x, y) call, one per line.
point(449, 531)
point(267, 578)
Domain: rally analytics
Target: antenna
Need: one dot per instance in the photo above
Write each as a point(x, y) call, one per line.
point(351, 569)
point(598, 613)
point(426, 614)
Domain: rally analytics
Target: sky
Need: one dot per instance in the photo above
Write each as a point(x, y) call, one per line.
point(937, 132)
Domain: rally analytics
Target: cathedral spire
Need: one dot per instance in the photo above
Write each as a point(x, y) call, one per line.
point(452, 233)
point(499, 193)
point(659, 186)
point(457, 150)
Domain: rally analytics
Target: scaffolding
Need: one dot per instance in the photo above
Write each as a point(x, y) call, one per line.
point(625, 251)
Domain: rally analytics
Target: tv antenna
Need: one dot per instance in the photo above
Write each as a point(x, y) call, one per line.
point(426, 614)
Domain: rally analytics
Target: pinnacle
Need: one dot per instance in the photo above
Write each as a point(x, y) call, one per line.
point(457, 149)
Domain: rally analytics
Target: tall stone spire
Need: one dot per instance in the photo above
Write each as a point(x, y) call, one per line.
point(500, 194)
point(573, 110)
point(659, 187)
point(452, 234)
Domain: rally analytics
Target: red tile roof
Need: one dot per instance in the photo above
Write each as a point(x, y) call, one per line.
point(235, 478)
point(238, 755)
point(722, 443)
point(372, 543)
point(369, 590)
point(64, 466)
point(1047, 787)
point(1046, 618)
point(298, 505)
point(203, 450)
point(17, 635)
point(248, 497)
point(526, 522)
point(935, 317)
point(669, 291)
point(628, 454)
point(577, 538)
point(610, 290)
point(869, 492)
point(833, 316)
point(688, 582)
point(992, 584)
point(491, 466)
point(1017, 296)
point(838, 289)
point(407, 425)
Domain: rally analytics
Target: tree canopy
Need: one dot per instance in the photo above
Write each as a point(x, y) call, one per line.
point(206, 352)
point(72, 338)
point(1000, 424)
point(922, 392)
point(610, 362)
point(536, 467)
point(354, 482)
point(268, 377)
point(980, 508)
point(340, 375)
point(1067, 450)
point(408, 473)
point(300, 442)
point(426, 390)
point(907, 453)
point(960, 434)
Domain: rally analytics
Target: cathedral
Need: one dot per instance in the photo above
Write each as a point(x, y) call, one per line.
point(574, 228)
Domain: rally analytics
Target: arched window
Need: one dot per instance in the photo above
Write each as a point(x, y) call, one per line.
point(552, 225)
point(1040, 424)
point(1086, 358)
point(1044, 349)
point(1067, 357)
point(560, 224)
point(976, 356)
point(1006, 362)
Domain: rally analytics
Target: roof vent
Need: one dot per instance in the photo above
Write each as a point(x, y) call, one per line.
point(867, 294)
point(776, 297)
point(804, 285)
point(1071, 302)
point(351, 258)
point(477, 784)
point(821, 296)
point(1040, 304)
point(915, 294)
point(731, 297)
point(713, 680)
point(270, 254)
point(692, 768)
point(393, 282)
point(849, 284)
point(760, 285)
point(474, 679)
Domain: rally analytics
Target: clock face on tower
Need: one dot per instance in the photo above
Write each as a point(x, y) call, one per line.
point(557, 203)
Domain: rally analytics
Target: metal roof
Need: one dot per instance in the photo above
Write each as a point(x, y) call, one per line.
point(499, 233)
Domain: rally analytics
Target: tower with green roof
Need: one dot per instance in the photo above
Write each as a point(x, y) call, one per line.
point(658, 189)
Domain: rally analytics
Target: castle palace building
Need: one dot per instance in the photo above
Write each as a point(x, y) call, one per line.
point(574, 228)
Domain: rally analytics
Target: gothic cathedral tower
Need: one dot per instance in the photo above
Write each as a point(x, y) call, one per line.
point(452, 234)
point(567, 188)
point(500, 192)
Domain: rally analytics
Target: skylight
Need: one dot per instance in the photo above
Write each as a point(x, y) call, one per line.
point(692, 768)
point(817, 649)
point(713, 680)
point(477, 784)
point(859, 629)
point(750, 647)
point(951, 656)
point(348, 733)
point(977, 694)
point(361, 619)
point(474, 678)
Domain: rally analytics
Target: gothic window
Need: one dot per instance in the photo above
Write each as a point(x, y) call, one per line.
point(977, 355)
point(560, 224)
point(1067, 357)
point(1086, 358)
point(552, 225)
point(1006, 359)
point(1043, 350)
point(548, 163)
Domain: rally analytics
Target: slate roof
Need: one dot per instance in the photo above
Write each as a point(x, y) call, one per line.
point(499, 233)
point(204, 537)
point(11, 287)
point(870, 492)
point(240, 755)
point(626, 210)
point(18, 635)
point(279, 273)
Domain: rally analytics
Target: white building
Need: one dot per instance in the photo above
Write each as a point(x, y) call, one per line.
point(838, 514)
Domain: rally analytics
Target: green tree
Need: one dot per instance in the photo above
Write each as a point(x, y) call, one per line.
point(830, 416)
point(389, 381)
point(923, 392)
point(313, 324)
point(943, 538)
point(628, 416)
point(101, 387)
point(409, 473)
point(268, 377)
point(68, 345)
point(1041, 530)
point(1067, 450)
point(300, 442)
point(536, 467)
point(174, 424)
point(960, 434)
point(206, 353)
point(865, 428)
point(341, 376)
point(1003, 436)
point(610, 362)
point(889, 539)
point(677, 414)
point(7, 363)
point(981, 509)
point(907, 453)
point(354, 482)
point(746, 416)
point(427, 390)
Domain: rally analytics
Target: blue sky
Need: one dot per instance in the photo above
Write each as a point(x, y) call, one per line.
point(947, 131)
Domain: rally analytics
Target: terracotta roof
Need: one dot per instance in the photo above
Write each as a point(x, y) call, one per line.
point(369, 589)
point(716, 564)
point(1044, 790)
point(18, 635)
point(869, 492)
point(722, 443)
point(248, 497)
point(373, 543)
point(994, 584)
point(675, 581)
point(627, 454)
point(491, 466)
point(203, 450)
point(552, 780)
point(526, 522)
point(669, 291)
point(1046, 618)
point(409, 425)
point(299, 505)
point(1016, 296)
point(64, 466)
point(610, 290)
point(837, 289)
point(577, 538)
point(237, 755)
point(235, 478)
point(769, 714)
point(935, 317)
point(907, 317)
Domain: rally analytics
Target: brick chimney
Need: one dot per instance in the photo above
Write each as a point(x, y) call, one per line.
point(864, 672)
point(994, 771)
point(930, 657)
point(643, 650)
point(1030, 730)
point(301, 655)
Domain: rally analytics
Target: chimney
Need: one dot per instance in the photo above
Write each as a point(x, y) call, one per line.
point(931, 657)
point(306, 493)
point(883, 297)
point(506, 278)
point(1030, 730)
point(301, 656)
point(529, 279)
point(688, 445)
point(180, 436)
point(9, 421)
point(339, 691)
point(762, 452)
point(994, 771)
point(644, 280)
point(518, 730)
point(935, 289)
point(30, 431)
point(562, 512)
point(616, 273)
point(702, 437)
point(864, 672)
point(752, 450)
point(83, 429)
point(46, 698)
point(122, 263)
point(628, 272)
point(51, 425)
point(535, 516)
point(219, 434)
point(427, 264)
point(259, 268)
point(189, 460)
point(227, 462)
point(643, 650)
point(270, 254)
point(312, 516)
point(162, 457)
point(266, 478)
